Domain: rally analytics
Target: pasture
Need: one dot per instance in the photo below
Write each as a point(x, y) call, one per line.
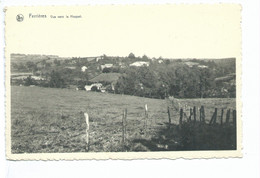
point(48, 120)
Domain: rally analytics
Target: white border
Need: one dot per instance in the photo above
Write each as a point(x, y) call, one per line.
point(232, 167)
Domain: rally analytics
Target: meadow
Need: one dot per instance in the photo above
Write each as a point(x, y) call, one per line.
point(49, 120)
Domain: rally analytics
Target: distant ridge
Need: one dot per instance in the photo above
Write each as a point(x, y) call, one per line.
point(17, 58)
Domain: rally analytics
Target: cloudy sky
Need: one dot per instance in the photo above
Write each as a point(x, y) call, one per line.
point(173, 31)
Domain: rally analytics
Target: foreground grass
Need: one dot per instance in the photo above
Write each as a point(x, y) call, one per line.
point(192, 136)
point(51, 120)
point(46, 120)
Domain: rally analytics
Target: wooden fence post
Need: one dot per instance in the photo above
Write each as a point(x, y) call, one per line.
point(202, 114)
point(190, 115)
point(125, 120)
point(234, 117)
point(221, 118)
point(169, 116)
point(228, 116)
point(87, 130)
point(146, 116)
point(181, 115)
point(124, 124)
point(194, 113)
point(214, 117)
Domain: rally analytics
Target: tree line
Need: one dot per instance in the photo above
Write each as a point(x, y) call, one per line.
point(158, 80)
point(179, 81)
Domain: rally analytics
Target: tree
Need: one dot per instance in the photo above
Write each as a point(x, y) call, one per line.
point(56, 81)
point(29, 81)
point(21, 67)
point(31, 66)
point(105, 57)
point(56, 62)
point(145, 57)
point(167, 61)
point(131, 56)
point(106, 70)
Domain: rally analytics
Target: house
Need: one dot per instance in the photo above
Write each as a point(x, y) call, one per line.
point(98, 85)
point(106, 66)
point(88, 87)
point(202, 66)
point(160, 61)
point(84, 68)
point(109, 78)
point(140, 64)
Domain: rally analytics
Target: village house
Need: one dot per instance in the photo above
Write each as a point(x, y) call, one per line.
point(84, 68)
point(98, 85)
point(202, 66)
point(106, 66)
point(160, 61)
point(140, 64)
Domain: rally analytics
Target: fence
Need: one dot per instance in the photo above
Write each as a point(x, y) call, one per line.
point(213, 120)
point(195, 117)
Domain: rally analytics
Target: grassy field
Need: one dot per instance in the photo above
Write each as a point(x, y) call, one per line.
point(45, 120)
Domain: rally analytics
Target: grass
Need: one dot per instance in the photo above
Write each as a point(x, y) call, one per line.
point(192, 136)
point(47, 120)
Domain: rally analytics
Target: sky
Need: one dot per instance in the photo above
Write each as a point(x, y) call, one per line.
point(170, 31)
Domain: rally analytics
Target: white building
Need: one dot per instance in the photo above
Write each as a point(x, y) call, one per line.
point(160, 61)
point(106, 66)
point(140, 64)
point(84, 68)
point(203, 66)
point(88, 87)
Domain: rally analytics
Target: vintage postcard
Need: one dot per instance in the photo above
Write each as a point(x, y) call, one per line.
point(123, 82)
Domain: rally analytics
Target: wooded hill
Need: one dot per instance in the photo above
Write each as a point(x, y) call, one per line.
point(160, 78)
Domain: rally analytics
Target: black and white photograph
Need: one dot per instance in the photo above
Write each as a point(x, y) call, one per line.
point(133, 88)
point(124, 79)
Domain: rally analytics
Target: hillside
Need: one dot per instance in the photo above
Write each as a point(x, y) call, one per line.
point(182, 78)
point(23, 58)
point(46, 120)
